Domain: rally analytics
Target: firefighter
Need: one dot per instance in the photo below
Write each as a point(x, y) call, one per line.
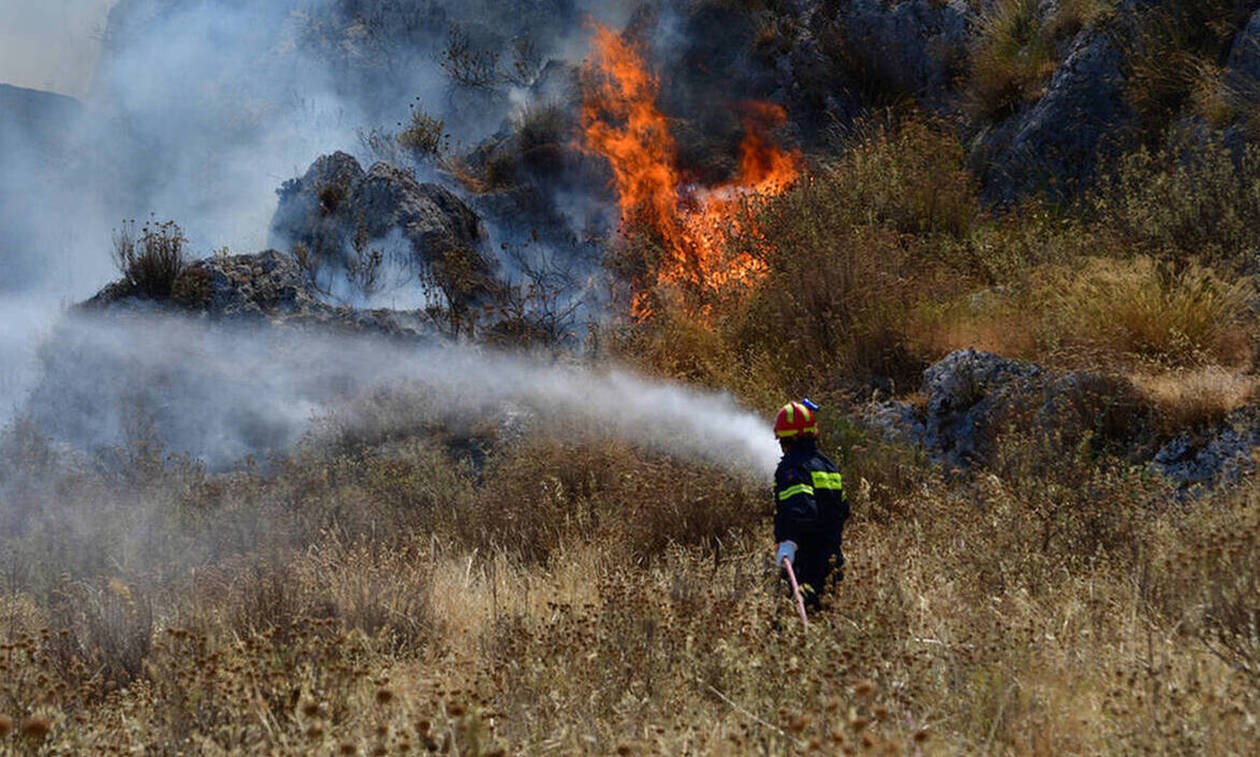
point(810, 506)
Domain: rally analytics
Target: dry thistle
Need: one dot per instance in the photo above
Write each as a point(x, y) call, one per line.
point(35, 727)
point(865, 688)
point(384, 696)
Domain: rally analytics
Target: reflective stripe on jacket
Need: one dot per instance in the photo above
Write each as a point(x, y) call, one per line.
point(809, 500)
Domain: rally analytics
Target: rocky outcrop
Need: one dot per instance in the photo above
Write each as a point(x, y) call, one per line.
point(336, 207)
point(915, 47)
point(1220, 455)
point(1242, 69)
point(1053, 146)
point(267, 287)
point(829, 65)
point(976, 402)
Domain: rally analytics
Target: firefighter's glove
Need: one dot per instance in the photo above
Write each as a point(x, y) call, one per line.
point(787, 551)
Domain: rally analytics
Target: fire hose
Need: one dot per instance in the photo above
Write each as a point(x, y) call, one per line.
point(796, 591)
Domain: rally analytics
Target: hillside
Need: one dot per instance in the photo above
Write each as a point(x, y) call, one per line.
point(477, 457)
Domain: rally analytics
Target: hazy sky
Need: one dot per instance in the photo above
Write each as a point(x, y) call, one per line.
point(50, 44)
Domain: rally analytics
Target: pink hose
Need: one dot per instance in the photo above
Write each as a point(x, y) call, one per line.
point(796, 591)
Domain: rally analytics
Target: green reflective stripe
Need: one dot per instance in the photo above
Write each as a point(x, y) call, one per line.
point(823, 480)
point(792, 491)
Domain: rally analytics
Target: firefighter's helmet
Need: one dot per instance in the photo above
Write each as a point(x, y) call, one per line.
point(795, 419)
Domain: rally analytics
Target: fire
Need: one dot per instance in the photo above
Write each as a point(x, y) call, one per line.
point(621, 122)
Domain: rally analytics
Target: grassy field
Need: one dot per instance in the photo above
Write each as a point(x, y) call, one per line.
point(584, 596)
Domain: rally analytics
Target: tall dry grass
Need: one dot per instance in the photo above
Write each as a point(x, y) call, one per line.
point(593, 598)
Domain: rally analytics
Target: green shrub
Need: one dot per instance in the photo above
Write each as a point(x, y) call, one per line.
point(906, 173)
point(850, 252)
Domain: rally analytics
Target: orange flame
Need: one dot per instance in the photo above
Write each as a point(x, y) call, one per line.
point(620, 121)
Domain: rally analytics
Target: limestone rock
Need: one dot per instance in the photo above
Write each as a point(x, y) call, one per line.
point(1053, 145)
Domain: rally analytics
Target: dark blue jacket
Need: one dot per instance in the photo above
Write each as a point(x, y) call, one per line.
point(810, 506)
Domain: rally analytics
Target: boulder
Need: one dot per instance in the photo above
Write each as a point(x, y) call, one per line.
point(270, 282)
point(965, 391)
point(266, 287)
point(432, 218)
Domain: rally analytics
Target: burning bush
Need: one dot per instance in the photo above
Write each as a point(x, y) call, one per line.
point(684, 227)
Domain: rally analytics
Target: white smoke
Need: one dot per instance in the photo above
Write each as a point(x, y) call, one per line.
point(200, 110)
point(219, 392)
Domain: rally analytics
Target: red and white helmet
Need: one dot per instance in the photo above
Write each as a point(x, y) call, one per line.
point(795, 419)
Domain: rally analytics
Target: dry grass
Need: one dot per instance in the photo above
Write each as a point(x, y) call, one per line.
point(1152, 312)
point(1012, 58)
point(1199, 397)
point(1048, 604)
point(406, 580)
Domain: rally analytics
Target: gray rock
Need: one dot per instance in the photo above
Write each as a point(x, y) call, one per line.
point(1053, 146)
point(335, 205)
point(269, 282)
point(964, 393)
point(915, 46)
point(265, 287)
point(433, 219)
point(975, 398)
point(896, 421)
point(1242, 68)
point(1221, 455)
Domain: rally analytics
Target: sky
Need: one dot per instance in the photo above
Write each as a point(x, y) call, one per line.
point(51, 44)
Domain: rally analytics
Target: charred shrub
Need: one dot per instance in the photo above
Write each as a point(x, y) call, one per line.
point(542, 132)
point(330, 197)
